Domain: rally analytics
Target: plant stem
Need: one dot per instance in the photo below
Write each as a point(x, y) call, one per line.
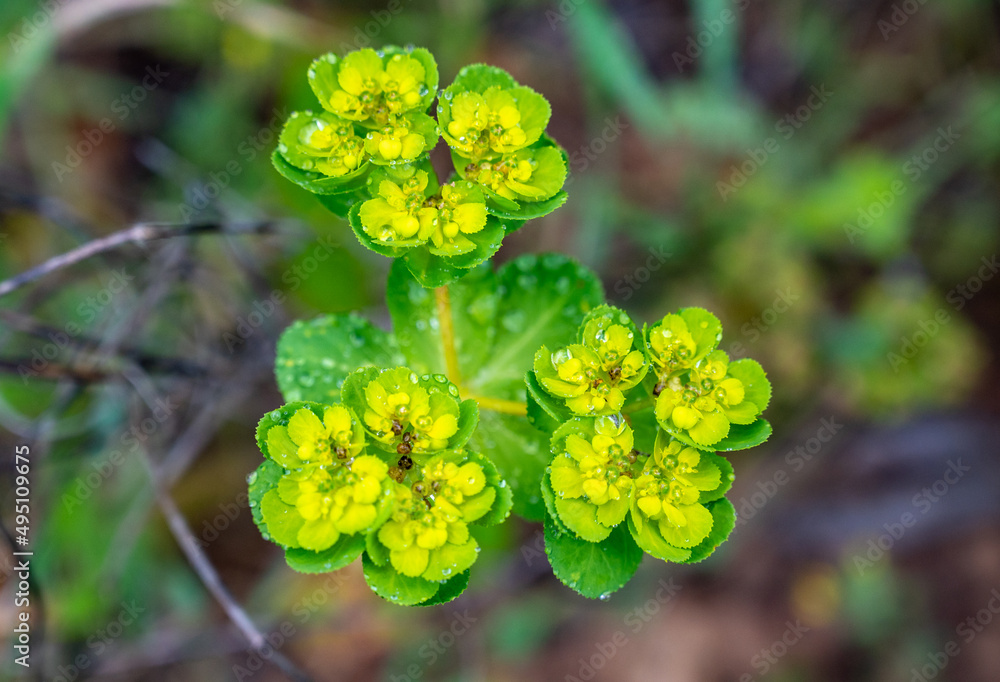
point(442, 298)
point(505, 406)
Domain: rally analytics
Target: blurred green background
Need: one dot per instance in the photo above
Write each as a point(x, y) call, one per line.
point(823, 176)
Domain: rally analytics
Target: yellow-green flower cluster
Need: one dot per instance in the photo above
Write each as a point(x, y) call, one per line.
point(592, 376)
point(699, 392)
point(404, 214)
point(330, 487)
point(495, 128)
point(666, 510)
point(386, 472)
point(597, 480)
point(406, 417)
point(428, 533)
point(375, 110)
point(592, 476)
point(366, 155)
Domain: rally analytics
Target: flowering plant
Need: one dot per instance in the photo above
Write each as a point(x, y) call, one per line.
point(572, 416)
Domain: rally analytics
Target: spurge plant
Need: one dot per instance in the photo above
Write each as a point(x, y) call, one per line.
point(516, 389)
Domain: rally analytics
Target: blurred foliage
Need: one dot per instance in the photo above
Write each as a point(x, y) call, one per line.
point(649, 145)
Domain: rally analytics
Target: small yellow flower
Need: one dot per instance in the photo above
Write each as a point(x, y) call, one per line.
point(526, 175)
point(671, 345)
point(613, 345)
point(334, 500)
point(666, 496)
point(592, 478)
point(576, 374)
point(322, 143)
point(338, 437)
point(397, 215)
point(396, 141)
point(371, 89)
point(428, 533)
point(705, 401)
point(486, 123)
point(402, 414)
point(458, 211)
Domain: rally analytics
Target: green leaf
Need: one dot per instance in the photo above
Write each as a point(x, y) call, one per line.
point(343, 552)
point(520, 452)
point(504, 500)
point(381, 248)
point(723, 522)
point(280, 417)
point(549, 497)
point(429, 270)
point(756, 387)
point(594, 569)
point(315, 356)
point(449, 590)
point(283, 521)
point(650, 540)
point(479, 77)
point(742, 436)
point(526, 210)
point(317, 183)
point(545, 412)
point(581, 518)
point(375, 550)
point(392, 586)
point(262, 480)
point(704, 327)
point(544, 299)
point(726, 478)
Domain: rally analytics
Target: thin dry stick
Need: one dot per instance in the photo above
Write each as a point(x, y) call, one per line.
point(144, 232)
point(197, 558)
point(210, 578)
